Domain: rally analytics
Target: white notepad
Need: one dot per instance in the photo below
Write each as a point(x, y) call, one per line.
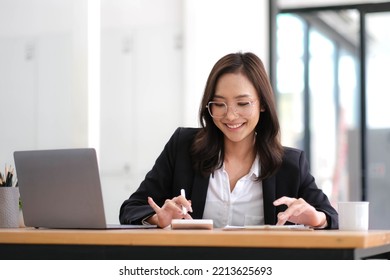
point(269, 227)
point(192, 224)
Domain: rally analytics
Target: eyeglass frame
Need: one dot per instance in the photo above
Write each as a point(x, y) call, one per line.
point(251, 103)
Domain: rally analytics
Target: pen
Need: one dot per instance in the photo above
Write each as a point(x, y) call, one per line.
point(8, 180)
point(183, 209)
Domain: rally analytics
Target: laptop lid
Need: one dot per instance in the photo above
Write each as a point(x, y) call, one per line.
point(61, 188)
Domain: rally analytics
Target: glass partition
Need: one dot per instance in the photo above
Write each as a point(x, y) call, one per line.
point(335, 70)
point(318, 104)
point(378, 117)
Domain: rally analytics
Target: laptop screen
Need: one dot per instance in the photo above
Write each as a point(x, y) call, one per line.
point(60, 188)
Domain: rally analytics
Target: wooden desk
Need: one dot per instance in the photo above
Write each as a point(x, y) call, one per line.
point(28, 243)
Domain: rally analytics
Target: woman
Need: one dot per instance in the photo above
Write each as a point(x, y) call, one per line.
point(233, 169)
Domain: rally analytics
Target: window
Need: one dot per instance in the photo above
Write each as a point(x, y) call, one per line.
point(332, 95)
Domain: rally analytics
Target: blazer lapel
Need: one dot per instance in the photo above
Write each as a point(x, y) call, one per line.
point(269, 195)
point(198, 195)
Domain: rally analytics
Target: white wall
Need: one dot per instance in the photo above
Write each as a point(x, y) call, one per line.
point(141, 91)
point(43, 75)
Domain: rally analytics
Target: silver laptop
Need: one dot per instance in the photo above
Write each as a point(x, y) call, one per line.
point(61, 189)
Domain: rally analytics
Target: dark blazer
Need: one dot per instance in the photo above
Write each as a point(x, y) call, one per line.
point(173, 171)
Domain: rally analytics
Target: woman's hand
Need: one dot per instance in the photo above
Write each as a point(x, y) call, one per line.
point(300, 212)
point(172, 209)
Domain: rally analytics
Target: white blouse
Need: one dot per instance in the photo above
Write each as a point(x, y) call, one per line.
point(242, 206)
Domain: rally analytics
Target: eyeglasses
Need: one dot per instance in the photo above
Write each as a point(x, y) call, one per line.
point(219, 109)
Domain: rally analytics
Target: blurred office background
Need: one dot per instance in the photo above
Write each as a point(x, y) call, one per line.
point(121, 75)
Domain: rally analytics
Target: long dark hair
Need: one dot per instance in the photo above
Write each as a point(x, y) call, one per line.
point(208, 146)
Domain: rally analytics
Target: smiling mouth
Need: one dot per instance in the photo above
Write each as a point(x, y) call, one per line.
point(233, 126)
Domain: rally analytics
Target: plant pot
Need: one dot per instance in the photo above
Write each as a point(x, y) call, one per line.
point(9, 207)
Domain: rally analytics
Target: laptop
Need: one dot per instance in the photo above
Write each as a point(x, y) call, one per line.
point(61, 189)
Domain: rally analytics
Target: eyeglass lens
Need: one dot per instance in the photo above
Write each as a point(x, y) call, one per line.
point(220, 109)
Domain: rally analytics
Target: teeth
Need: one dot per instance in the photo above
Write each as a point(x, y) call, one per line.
point(234, 126)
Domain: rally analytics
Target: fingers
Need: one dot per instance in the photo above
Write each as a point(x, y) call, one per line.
point(182, 201)
point(283, 216)
point(170, 210)
point(152, 204)
point(187, 217)
point(294, 212)
point(174, 206)
point(284, 200)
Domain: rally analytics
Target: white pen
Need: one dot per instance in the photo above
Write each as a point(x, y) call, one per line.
point(183, 209)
